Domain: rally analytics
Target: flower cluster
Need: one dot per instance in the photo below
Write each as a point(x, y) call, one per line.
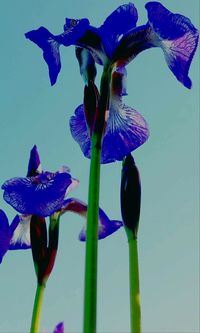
point(42, 194)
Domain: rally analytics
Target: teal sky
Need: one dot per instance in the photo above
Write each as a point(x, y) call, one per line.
point(33, 112)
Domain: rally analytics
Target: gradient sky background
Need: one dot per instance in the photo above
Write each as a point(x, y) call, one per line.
point(33, 112)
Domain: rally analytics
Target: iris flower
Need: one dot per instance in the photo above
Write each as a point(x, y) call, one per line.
point(115, 43)
point(42, 194)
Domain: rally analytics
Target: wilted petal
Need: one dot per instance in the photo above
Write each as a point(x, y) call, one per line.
point(177, 37)
point(105, 226)
point(59, 328)
point(50, 46)
point(41, 195)
point(21, 236)
point(34, 165)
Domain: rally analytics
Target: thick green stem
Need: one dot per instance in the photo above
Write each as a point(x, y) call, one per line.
point(35, 323)
point(135, 311)
point(90, 296)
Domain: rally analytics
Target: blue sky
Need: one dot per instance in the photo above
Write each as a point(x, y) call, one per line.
point(33, 112)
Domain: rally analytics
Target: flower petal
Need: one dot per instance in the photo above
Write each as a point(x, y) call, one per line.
point(79, 130)
point(74, 29)
point(177, 37)
point(34, 165)
point(126, 130)
point(41, 195)
point(6, 232)
point(21, 236)
point(127, 16)
point(106, 226)
point(50, 46)
point(59, 328)
point(174, 33)
point(87, 64)
point(4, 225)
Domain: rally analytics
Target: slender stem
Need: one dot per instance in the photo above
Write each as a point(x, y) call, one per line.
point(90, 296)
point(37, 308)
point(135, 311)
point(90, 292)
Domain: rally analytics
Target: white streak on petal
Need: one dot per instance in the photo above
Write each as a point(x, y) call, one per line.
point(22, 232)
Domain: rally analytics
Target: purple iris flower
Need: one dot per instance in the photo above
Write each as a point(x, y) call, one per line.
point(125, 129)
point(33, 195)
point(114, 44)
point(6, 232)
point(40, 194)
point(118, 40)
point(59, 328)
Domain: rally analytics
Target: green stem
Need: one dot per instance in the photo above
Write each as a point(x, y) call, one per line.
point(37, 308)
point(90, 296)
point(135, 311)
point(90, 291)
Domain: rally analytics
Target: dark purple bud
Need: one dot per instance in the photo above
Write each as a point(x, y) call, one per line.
point(130, 195)
point(34, 163)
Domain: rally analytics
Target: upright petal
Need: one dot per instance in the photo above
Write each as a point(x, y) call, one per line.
point(50, 46)
point(105, 226)
point(87, 64)
point(59, 328)
point(41, 195)
point(34, 165)
point(111, 30)
point(177, 37)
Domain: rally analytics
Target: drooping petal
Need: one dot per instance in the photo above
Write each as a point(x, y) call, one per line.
point(105, 226)
point(34, 165)
point(21, 236)
point(50, 46)
point(123, 19)
point(6, 232)
point(41, 195)
point(174, 33)
point(79, 130)
point(59, 328)
point(4, 225)
point(177, 37)
point(126, 130)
